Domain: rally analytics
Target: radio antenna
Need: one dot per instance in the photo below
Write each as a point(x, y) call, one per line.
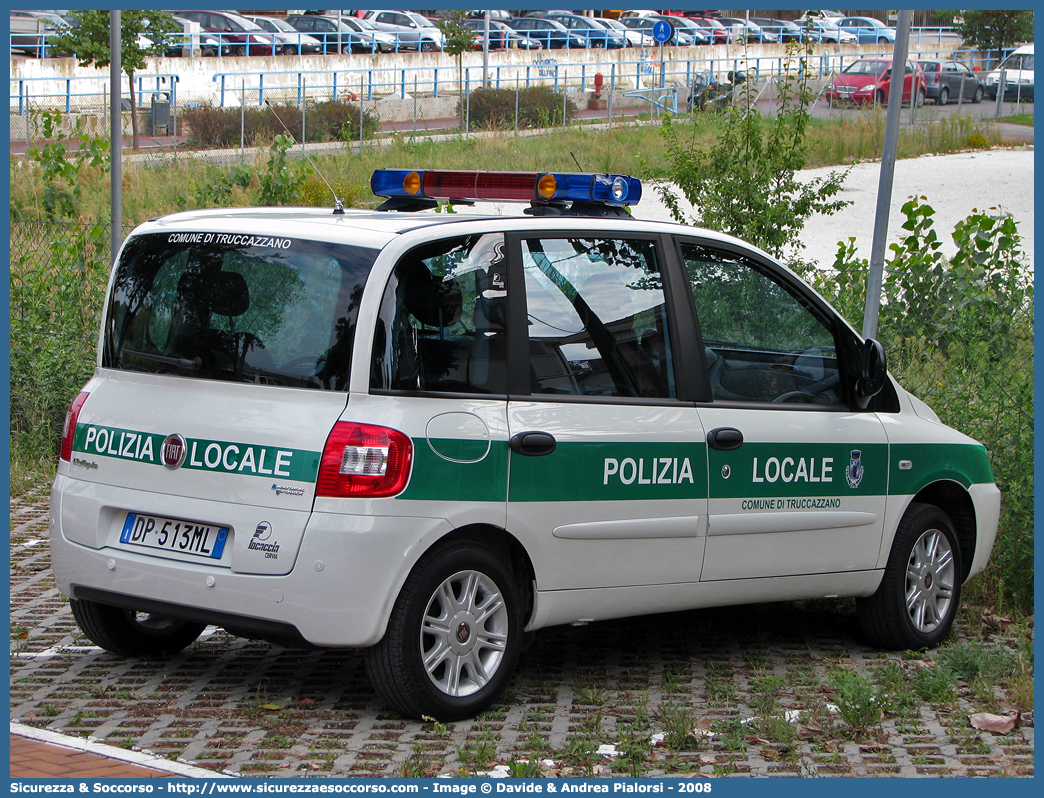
point(338, 205)
point(579, 168)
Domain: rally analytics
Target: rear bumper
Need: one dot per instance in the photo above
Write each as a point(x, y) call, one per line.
point(339, 592)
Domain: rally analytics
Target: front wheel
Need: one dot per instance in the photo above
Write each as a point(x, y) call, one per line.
point(977, 97)
point(919, 98)
point(916, 602)
point(427, 47)
point(133, 634)
point(880, 99)
point(454, 635)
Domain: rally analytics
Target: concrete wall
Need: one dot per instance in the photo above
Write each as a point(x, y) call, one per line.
point(377, 76)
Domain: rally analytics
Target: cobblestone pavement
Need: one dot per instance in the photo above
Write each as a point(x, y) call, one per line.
point(748, 691)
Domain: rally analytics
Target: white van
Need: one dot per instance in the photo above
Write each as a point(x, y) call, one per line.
point(427, 435)
point(1018, 76)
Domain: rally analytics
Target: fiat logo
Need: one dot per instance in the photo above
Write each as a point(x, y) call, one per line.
point(463, 633)
point(173, 451)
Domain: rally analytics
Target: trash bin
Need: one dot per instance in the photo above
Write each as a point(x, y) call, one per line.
point(160, 115)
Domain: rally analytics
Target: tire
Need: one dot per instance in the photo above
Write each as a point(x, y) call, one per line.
point(977, 97)
point(432, 614)
point(916, 602)
point(238, 50)
point(880, 99)
point(919, 98)
point(346, 49)
point(944, 96)
point(289, 49)
point(131, 634)
point(882, 40)
point(427, 47)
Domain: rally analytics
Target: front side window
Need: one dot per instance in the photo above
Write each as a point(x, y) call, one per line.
point(441, 325)
point(762, 342)
point(239, 308)
point(596, 318)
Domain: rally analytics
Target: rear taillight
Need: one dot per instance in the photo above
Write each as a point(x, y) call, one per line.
point(364, 461)
point(69, 427)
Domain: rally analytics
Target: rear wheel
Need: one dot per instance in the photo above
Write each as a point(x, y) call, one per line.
point(133, 634)
point(919, 98)
point(454, 635)
point(916, 602)
point(289, 49)
point(427, 47)
point(944, 96)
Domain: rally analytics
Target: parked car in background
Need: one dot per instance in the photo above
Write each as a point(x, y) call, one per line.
point(192, 41)
point(288, 40)
point(344, 35)
point(552, 35)
point(501, 36)
point(1018, 76)
point(748, 30)
point(635, 38)
point(411, 31)
point(718, 32)
point(595, 35)
point(784, 30)
point(236, 34)
point(949, 80)
point(868, 30)
point(823, 30)
point(869, 80)
point(30, 30)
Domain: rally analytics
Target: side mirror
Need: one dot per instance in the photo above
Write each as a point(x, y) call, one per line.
point(874, 374)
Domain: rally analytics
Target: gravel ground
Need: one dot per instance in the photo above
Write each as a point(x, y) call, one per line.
point(748, 691)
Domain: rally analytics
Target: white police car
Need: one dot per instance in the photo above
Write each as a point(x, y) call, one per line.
point(426, 435)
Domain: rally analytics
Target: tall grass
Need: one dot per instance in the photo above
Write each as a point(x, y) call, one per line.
point(152, 189)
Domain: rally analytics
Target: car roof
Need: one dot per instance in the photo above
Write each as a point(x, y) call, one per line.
point(375, 229)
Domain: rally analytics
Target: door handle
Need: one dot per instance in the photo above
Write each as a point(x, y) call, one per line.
point(533, 444)
point(725, 439)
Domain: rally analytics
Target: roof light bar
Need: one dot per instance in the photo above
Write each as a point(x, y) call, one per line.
point(537, 187)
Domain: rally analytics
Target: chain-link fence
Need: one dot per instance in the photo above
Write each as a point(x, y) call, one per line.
point(603, 87)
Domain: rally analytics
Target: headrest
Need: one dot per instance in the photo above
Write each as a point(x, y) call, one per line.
point(432, 301)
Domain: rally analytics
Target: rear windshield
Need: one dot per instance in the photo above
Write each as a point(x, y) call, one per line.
point(867, 67)
point(270, 311)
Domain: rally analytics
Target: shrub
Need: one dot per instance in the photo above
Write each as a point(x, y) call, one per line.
point(331, 120)
point(538, 106)
point(959, 335)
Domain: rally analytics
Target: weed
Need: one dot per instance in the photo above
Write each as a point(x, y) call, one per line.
point(51, 710)
point(766, 692)
point(859, 703)
point(524, 769)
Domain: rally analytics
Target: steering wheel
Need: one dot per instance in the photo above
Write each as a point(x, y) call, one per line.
point(796, 396)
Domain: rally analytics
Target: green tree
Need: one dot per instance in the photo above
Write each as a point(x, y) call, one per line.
point(995, 30)
point(459, 38)
point(745, 185)
point(89, 41)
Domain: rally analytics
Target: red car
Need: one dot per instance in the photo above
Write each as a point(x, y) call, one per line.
point(868, 81)
point(719, 33)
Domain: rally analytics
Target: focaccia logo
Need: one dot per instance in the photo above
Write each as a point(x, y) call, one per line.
point(262, 533)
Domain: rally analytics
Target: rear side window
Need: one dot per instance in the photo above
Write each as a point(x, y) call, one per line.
point(270, 311)
point(442, 321)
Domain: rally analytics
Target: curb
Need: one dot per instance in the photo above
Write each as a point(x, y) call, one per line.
point(120, 754)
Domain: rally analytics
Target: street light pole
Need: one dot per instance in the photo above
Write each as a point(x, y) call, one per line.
point(875, 279)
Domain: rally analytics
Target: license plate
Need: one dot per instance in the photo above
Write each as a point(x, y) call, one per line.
point(172, 534)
